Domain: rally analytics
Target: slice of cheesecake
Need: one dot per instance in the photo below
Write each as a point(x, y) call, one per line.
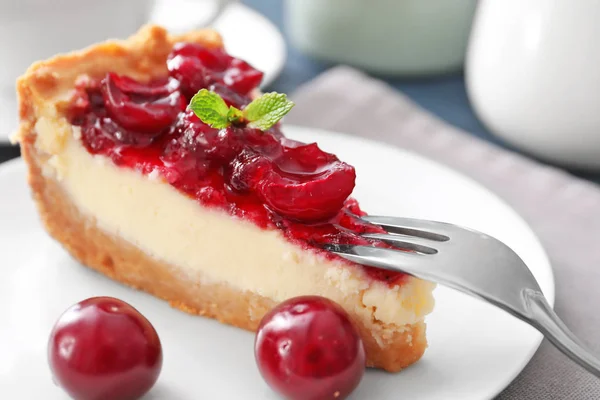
point(224, 223)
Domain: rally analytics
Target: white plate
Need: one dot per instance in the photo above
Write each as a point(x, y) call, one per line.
point(475, 350)
point(247, 34)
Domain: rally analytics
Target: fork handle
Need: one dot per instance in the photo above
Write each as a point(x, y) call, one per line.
point(543, 317)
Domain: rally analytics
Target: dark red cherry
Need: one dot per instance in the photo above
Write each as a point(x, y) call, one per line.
point(214, 59)
point(241, 76)
point(248, 171)
point(190, 73)
point(197, 67)
point(309, 184)
point(307, 348)
point(147, 90)
point(302, 183)
point(103, 348)
point(144, 117)
point(310, 198)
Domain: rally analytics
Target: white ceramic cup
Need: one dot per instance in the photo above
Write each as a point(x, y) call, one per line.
point(533, 76)
point(390, 37)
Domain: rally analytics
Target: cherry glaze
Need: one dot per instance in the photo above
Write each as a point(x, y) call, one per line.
point(276, 182)
point(103, 348)
point(307, 348)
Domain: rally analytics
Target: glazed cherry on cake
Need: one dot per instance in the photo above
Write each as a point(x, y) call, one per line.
point(254, 174)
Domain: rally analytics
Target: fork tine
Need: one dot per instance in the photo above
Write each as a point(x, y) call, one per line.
point(392, 260)
point(403, 242)
point(431, 230)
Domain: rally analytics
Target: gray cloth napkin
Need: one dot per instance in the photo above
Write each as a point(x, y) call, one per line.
point(562, 210)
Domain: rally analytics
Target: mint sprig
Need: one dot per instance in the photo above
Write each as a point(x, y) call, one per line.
point(262, 113)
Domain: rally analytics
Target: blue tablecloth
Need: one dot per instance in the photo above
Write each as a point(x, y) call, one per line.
point(444, 96)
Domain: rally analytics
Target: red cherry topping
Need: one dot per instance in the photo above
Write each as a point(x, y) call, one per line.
point(103, 348)
point(307, 348)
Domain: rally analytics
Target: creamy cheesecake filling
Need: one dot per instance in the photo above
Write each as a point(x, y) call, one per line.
point(209, 244)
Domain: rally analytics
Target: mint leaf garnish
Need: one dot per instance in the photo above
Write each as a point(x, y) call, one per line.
point(210, 108)
point(267, 110)
point(262, 113)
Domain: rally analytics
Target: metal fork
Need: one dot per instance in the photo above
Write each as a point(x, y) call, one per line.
point(471, 262)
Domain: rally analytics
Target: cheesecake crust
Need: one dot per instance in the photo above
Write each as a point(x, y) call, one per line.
point(44, 92)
